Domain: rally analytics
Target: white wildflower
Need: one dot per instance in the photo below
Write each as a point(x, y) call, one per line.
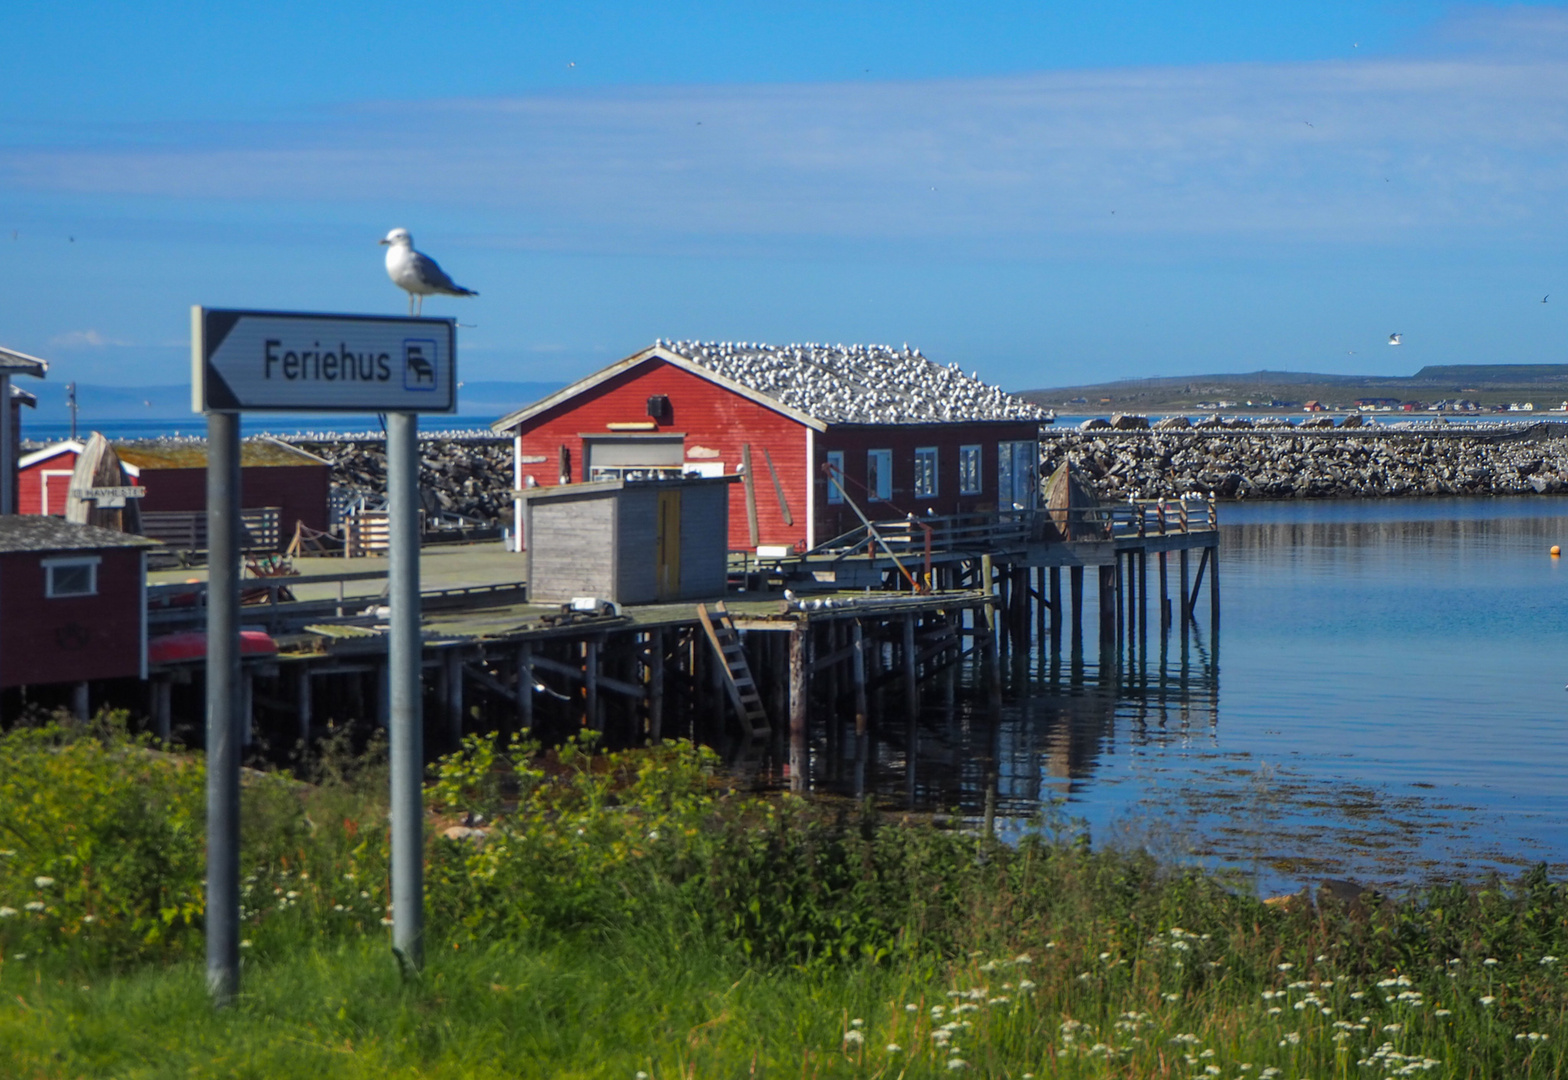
point(1286, 967)
point(43, 882)
point(853, 1038)
point(1548, 960)
point(1442, 1012)
point(1025, 985)
point(912, 1007)
point(34, 905)
point(1491, 961)
point(89, 918)
point(857, 1023)
point(954, 1064)
point(1488, 999)
point(894, 1048)
point(7, 912)
point(245, 944)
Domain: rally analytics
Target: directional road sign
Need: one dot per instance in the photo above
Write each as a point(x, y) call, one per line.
point(294, 362)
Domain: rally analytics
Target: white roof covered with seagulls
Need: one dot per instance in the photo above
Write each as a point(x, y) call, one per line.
point(858, 384)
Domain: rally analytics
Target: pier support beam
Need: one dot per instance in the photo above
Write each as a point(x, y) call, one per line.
point(1110, 612)
point(1186, 589)
point(799, 674)
point(656, 686)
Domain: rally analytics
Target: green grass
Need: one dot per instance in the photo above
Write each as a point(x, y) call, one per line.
point(632, 914)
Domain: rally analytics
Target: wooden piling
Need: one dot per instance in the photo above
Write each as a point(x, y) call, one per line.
point(302, 703)
point(1165, 595)
point(452, 684)
point(799, 751)
point(1214, 593)
point(525, 688)
point(911, 675)
point(656, 686)
point(1186, 589)
point(592, 717)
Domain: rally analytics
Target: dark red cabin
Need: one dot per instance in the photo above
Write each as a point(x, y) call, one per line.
point(73, 602)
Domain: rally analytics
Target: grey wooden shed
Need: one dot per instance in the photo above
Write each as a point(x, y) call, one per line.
point(631, 541)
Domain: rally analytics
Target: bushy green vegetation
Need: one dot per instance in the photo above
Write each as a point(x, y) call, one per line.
point(611, 915)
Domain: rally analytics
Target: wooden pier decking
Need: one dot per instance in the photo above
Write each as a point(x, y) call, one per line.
point(873, 613)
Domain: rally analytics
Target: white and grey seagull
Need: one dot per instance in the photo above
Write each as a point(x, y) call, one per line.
point(1396, 339)
point(417, 274)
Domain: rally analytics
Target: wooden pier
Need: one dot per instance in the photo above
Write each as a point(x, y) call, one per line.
point(822, 646)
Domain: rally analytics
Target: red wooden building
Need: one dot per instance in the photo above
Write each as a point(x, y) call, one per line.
point(73, 602)
point(272, 473)
point(906, 435)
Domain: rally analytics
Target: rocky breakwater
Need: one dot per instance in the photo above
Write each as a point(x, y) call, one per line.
point(1298, 464)
point(471, 477)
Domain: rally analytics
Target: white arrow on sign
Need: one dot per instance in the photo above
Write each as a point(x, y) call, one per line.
point(295, 362)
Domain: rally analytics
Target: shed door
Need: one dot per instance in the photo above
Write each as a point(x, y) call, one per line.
point(667, 546)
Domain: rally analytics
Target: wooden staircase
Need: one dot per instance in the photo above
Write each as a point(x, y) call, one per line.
point(737, 672)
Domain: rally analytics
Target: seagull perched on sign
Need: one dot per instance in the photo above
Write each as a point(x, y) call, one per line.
point(416, 274)
point(1393, 339)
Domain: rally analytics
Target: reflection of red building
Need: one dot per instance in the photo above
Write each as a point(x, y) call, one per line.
point(908, 435)
point(73, 602)
point(272, 473)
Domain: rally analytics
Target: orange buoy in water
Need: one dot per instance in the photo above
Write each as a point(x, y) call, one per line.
point(1556, 551)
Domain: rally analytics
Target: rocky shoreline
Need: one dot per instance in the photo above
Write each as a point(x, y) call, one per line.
point(468, 477)
point(1298, 464)
point(473, 477)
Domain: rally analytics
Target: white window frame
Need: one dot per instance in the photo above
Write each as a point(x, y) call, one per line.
point(835, 459)
point(971, 470)
point(71, 562)
point(879, 475)
point(927, 472)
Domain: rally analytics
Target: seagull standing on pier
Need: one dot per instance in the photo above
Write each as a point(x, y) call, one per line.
point(416, 274)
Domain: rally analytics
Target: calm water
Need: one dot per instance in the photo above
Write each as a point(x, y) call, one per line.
point(1385, 702)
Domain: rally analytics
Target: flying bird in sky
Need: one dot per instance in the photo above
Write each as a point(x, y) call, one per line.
point(1393, 339)
point(417, 274)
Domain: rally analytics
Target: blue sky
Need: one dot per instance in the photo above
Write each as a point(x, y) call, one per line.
point(1047, 193)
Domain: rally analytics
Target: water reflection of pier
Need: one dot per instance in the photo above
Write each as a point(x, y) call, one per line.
point(1005, 742)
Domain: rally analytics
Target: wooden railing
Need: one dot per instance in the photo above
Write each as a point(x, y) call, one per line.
point(994, 531)
point(261, 528)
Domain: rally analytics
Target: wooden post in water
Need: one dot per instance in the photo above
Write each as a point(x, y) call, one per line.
point(858, 674)
point(1186, 590)
point(1053, 576)
point(1075, 586)
point(986, 587)
point(1165, 595)
point(1118, 592)
point(1143, 602)
point(799, 752)
point(1110, 613)
point(1214, 592)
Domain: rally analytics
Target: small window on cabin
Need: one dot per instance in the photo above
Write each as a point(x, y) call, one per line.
point(836, 467)
point(70, 577)
point(969, 476)
point(925, 471)
point(879, 474)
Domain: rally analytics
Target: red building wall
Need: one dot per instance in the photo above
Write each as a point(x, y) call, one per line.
point(30, 485)
point(903, 439)
point(300, 490)
point(70, 639)
point(711, 417)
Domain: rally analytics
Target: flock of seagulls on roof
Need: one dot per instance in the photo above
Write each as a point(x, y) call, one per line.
point(857, 384)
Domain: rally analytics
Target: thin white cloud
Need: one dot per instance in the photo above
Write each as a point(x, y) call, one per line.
point(85, 339)
point(1346, 150)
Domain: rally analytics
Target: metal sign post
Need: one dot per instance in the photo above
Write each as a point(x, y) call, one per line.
point(224, 724)
point(290, 362)
point(404, 652)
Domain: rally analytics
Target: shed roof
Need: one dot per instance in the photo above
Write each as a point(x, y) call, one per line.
point(192, 453)
point(40, 532)
point(824, 384)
